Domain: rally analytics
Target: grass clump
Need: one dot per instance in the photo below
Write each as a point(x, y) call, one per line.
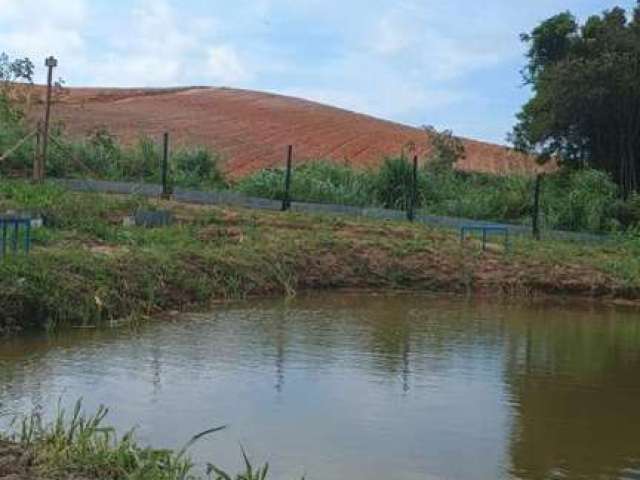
point(84, 445)
point(77, 444)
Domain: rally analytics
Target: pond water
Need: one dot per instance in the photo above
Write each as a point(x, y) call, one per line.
point(347, 386)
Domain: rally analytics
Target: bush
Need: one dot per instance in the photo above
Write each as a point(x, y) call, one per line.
point(393, 184)
point(582, 199)
point(477, 196)
point(197, 167)
point(100, 156)
point(12, 130)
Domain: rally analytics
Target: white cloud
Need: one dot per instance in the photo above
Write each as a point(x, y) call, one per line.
point(39, 28)
point(161, 45)
point(224, 65)
point(390, 37)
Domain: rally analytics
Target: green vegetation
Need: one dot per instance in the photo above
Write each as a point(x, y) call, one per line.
point(81, 445)
point(322, 182)
point(86, 267)
point(579, 200)
point(586, 95)
point(101, 157)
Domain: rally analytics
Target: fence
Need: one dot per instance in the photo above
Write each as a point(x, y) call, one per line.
point(240, 200)
point(13, 227)
point(287, 202)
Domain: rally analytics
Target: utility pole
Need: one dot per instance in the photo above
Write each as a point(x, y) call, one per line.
point(50, 63)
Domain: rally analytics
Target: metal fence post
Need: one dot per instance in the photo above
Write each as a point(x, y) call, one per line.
point(536, 207)
point(165, 166)
point(16, 234)
point(286, 201)
point(413, 200)
point(27, 236)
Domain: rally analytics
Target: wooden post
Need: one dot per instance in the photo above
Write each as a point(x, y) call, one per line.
point(286, 200)
point(536, 207)
point(413, 200)
point(50, 63)
point(165, 166)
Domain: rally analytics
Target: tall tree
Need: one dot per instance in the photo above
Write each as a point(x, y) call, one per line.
point(585, 108)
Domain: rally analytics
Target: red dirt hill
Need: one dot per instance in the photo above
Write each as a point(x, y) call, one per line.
point(251, 129)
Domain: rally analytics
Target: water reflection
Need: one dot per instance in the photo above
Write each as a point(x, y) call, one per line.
point(347, 386)
point(576, 382)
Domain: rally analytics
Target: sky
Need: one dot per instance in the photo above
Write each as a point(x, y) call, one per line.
point(453, 64)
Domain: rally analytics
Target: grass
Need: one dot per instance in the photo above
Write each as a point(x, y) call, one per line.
point(77, 444)
point(86, 267)
point(321, 182)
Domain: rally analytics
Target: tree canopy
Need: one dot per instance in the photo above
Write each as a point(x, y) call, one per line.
point(13, 74)
point(585, 109)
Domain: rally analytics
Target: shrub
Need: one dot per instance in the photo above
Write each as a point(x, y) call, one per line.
point(393, 184)
point(580, 200)
point(197, 167)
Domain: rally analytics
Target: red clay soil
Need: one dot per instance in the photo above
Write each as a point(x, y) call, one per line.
point(251, 129)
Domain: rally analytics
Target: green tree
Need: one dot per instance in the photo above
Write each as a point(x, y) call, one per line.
point(445, 149)
point(13, 76)
point(585, 109)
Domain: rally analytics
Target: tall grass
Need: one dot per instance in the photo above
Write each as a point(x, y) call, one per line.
point(580, 200)
point(320, 181)
point(76, 444)
point(101, 156)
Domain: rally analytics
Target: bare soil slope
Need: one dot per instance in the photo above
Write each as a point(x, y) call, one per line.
point(251, 129)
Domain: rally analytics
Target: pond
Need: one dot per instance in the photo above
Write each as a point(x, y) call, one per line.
point(362, 386)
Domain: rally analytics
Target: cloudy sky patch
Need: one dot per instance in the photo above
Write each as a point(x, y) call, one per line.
point(454, 64)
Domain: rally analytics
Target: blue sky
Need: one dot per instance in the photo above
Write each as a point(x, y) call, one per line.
point(448, 63)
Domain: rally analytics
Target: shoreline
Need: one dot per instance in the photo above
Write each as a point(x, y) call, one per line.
point(86, 266)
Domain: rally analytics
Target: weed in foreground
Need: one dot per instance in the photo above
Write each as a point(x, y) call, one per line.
point(80, 444)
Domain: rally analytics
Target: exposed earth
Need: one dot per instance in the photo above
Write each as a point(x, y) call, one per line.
point(252, 129)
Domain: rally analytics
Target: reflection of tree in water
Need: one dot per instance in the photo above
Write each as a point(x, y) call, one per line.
point(576, 389)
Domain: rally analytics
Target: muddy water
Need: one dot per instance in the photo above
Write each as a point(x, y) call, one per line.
point(363, 387)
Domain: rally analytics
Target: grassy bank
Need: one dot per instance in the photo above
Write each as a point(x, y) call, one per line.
point(86, 266)
point(84, 447)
